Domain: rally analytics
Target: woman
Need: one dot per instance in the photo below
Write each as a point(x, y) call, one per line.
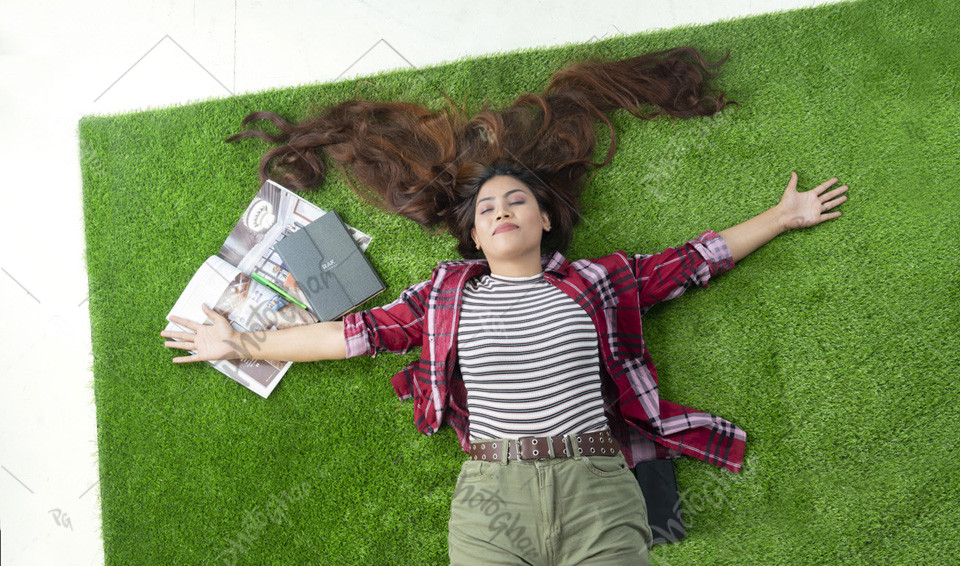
point(537, 362)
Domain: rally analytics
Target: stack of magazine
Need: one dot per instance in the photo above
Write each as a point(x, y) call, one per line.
point(249, 282)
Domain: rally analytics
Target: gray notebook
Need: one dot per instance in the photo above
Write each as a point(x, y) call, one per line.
point(329, 267)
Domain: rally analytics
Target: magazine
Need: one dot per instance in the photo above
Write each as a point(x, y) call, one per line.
point(227, 282)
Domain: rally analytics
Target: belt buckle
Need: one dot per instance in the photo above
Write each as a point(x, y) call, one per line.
point(519, 445)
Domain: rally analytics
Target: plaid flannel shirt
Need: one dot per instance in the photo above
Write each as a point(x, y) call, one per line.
point(615, 291)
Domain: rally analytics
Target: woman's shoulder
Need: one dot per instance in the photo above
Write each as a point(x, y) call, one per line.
point(618, 257)
point(452, 273)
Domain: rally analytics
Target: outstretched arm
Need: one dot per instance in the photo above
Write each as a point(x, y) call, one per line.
point(795, 210)
point(219, 341)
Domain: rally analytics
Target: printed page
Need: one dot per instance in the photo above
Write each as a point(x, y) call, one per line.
point(274, 213)
point(252, 307)
point(249, 307)
point(206, 286)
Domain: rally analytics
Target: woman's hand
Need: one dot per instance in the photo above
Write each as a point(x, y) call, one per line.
point(800, 210)
point(211, 342)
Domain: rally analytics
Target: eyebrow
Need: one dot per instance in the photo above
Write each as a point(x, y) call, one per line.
point(506, 195)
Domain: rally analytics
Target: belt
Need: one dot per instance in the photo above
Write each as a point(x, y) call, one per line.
point(600, 443)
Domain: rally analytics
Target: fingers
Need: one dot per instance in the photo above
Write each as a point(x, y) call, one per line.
point(214, 315)
point(824, 186)
point(186, 339)
point(177, 335)
point(833, 199)
point(834, 203)
point(183, 346)
point(184, 322)
point(834, 193)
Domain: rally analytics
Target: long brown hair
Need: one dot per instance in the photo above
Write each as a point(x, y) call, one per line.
point(429, 166)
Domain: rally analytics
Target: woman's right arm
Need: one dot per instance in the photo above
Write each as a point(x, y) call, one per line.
point(219, 341)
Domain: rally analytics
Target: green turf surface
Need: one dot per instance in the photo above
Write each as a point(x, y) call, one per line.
point(834, 347)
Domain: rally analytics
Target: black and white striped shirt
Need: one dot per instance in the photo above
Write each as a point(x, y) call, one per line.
point(529, 359)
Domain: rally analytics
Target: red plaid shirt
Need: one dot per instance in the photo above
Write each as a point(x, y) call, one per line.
point(615, 291)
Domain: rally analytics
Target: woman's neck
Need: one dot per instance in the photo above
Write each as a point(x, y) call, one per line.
point(525, 267)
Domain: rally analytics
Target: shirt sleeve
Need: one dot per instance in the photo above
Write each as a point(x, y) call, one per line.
point(670, 273)
point(396, 327)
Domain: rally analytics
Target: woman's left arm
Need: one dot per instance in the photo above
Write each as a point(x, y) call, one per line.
point(795, 210)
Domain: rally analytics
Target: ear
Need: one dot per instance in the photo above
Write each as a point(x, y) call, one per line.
point(473, 236)
point(546, 221)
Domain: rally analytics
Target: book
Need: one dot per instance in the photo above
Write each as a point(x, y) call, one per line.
point(333, 273)
point(658, 482)
point(242, 281)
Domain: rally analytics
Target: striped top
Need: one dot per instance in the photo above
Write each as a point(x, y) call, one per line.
point(529, 358)
point(615, 290)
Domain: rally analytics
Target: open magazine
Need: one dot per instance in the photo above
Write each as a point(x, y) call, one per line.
point(225, 282)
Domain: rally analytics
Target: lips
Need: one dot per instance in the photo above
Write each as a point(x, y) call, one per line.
point(505, 227)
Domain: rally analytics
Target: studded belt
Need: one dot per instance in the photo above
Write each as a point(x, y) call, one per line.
point(600, 443)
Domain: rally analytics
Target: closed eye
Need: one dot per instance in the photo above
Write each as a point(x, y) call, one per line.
point(485, 210)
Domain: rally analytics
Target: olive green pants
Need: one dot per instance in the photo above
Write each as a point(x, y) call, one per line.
point(583, 510)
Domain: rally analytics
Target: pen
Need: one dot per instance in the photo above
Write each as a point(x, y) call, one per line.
point(263, 281)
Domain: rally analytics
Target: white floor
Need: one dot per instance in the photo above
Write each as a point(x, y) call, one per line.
point(61, 61)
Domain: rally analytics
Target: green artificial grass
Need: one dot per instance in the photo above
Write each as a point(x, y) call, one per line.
point(834, 347)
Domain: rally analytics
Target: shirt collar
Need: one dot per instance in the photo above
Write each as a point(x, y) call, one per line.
point(554, 263)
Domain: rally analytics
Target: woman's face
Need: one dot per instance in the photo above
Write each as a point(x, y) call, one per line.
point(507, 220)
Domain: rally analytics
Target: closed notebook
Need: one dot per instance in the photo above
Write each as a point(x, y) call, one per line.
point(329, 267)
point(658, 482)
